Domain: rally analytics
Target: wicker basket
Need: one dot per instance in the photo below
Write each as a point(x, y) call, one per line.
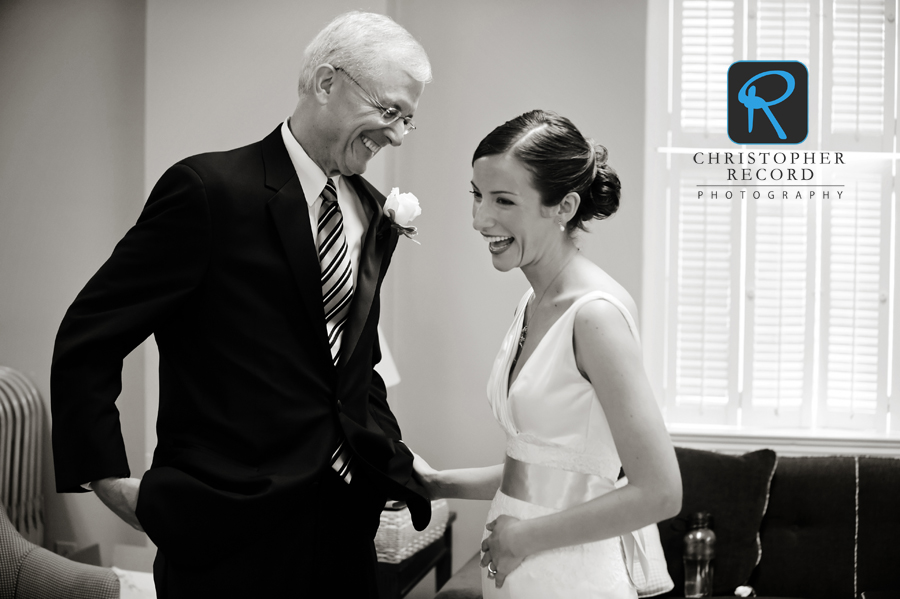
point(396, 539)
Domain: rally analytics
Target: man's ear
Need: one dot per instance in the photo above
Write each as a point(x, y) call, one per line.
point(323, 83)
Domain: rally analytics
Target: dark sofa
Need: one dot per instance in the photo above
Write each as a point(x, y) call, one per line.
point(804, 527)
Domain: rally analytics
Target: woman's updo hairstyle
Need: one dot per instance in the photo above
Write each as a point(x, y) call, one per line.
point(560, 160)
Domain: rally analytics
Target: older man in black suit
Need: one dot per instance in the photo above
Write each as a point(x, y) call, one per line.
point(258, 270)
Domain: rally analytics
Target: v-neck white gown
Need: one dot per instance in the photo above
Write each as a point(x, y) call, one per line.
point(560, 452)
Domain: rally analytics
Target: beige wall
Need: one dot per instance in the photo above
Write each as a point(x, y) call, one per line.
point(71, 172)
point(493, 61)
point(222, 74)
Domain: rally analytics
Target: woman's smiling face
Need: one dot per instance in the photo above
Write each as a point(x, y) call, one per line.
point(508, 212)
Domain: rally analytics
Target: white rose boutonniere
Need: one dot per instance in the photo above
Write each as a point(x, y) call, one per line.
point(402, 209)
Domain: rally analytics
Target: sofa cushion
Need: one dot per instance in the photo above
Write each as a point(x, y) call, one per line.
point(878, 555)
point(809, 529)
point(734, 489)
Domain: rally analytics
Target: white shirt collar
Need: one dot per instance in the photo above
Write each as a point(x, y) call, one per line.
point(312, 179)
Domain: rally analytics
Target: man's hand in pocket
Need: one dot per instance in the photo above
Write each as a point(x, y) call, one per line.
point(121, 496)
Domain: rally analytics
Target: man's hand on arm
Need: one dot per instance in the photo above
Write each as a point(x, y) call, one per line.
point(121, 496)
point(426, 476)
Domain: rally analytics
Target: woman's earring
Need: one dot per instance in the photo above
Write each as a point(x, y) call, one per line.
point(562, 227)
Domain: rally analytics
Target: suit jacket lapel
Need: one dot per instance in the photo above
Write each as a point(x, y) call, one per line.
point(291, 217)
point(370, 261)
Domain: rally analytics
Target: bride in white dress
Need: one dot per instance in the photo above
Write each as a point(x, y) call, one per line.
point(568, 385)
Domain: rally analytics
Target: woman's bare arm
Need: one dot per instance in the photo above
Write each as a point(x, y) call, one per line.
point(461, 483)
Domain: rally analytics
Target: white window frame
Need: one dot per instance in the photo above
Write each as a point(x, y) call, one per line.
point(733, 426)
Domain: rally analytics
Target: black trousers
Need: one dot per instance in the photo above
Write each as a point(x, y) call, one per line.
point(323, 547)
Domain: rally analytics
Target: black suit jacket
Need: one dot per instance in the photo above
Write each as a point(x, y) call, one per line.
point(221, 267)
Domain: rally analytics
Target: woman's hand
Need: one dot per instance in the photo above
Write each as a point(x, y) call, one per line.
point(427, 476)
point(502, 549)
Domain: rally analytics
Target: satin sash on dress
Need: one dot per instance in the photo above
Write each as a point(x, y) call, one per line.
point(551, 487)
point(561, 489)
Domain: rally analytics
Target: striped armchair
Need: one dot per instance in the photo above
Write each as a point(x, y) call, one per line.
point(32, 572)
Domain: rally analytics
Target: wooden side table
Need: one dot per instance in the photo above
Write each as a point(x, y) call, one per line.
point(397, 580)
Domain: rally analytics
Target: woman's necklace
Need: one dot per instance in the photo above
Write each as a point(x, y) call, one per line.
point(533, 310)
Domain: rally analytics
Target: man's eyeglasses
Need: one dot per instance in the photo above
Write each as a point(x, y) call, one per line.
point(389, 116)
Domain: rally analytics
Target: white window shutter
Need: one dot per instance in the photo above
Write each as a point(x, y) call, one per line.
point(781, 258)
point(781, 278)
point(703, 334)
point(858, 75)
point(895, 315)
point(855, 287)
point(782, 30)
point(707, 40)
point(788, 30)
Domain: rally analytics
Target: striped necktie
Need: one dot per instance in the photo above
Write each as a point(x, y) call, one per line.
point(337, 292)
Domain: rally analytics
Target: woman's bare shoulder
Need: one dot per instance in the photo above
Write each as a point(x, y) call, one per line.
point(593, 278)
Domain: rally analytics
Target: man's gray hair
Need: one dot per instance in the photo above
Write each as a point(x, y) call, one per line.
point(360, 42)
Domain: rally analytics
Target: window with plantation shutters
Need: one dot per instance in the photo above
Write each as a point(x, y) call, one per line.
point(776, 313)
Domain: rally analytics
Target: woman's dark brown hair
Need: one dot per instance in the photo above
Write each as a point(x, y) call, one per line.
point(560, 160)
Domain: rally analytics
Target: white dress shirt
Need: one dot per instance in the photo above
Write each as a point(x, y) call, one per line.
point(312, 180)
